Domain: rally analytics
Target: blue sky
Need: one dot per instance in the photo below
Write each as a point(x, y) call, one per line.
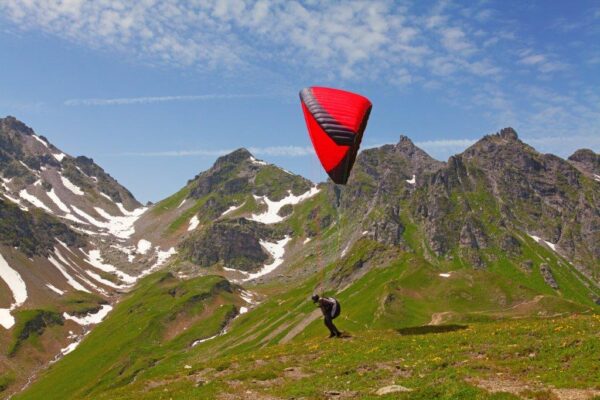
point(154, 91)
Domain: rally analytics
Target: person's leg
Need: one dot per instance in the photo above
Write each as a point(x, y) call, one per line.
point(330, 326)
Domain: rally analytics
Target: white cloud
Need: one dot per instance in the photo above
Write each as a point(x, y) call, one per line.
point(355, 40)
point(155, 99)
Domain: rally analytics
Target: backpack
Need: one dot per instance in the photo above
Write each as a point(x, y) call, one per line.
point(336, 309)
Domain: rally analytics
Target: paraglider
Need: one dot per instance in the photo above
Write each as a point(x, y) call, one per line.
point(336, 120)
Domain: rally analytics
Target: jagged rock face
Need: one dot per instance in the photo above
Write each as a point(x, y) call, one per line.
point(548, 276)
point(239, 172)
point(519, 188)
point(381, 179)
point(33, 233)
point(587, 161)
point(26, 158)
point(235, 244)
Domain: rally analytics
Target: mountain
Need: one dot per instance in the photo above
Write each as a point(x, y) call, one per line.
point(64, 225)
point(224, 267)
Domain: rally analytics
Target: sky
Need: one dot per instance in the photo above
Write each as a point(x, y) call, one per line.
point(155, 91)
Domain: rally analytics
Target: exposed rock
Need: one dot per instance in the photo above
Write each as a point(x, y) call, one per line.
point(389, 229)
point(235, 243)
point(391, 389)
point(586, 160)
point(548, 276)
point(527, 265)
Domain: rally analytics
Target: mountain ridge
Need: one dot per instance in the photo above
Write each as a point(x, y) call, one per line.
point(487, 230)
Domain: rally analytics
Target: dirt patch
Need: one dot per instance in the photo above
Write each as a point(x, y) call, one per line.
point(527, 390)
point(295, 373)
point(248, 394)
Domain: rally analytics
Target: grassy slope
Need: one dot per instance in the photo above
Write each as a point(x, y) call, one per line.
point(134, 337)
point(445, 365)
point(402, 294)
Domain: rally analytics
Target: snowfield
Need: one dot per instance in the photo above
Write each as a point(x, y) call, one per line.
point(70, 280)
point(55, 289)
point(19, 292)
point(194, 222)
point(92, 318)
point(119, 226)
point(257, 162)
point(34, 200)
point(271, 216)
point(232, 209)
point(94, 258)
point(143, 246)
point(540, 240)
point(71, 186)
point(276, 250)
point(54, 197)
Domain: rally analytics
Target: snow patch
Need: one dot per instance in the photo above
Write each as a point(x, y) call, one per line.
point(540, 240)
point(70, 280)
point(70, 348)
point(106, 196)
point(232, 209)
point(34, 200)
point(276, 250)
point(243, 310)
point(445, 275)
point(71, 186)
point(19, 292)
point(103, 281)
point(119, 226)
point(55, 289)
point(307, 240)
point(162, 256)
point(247, 296)
point(68, 263)
point(39, 139)
point(91, 318)
point(197, 342)
point(94, 258)
point(16, 201)
point(59, 156)
point(345, 250)
point(412, 180)
point(597, 177)
point(257, 162)
point(271, 216)
point(143, 246)
point(365, 232)
point(194, 222)
point(182, 203)
point(36, 173)
point(62, 206)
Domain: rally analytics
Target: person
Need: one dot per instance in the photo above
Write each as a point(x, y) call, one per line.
point(331, 309)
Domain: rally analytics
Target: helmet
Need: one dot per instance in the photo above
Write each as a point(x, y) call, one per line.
point(315, 298)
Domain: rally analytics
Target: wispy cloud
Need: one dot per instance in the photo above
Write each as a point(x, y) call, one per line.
point(156, 99)
point(273, 151)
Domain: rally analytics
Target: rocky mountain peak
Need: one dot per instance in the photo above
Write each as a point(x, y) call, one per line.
point(405, 141)
point(235, 157)
point(508, 133)
point(587, 160)
point(10, 123)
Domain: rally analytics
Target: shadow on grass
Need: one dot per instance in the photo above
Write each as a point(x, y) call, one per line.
point(427, 329)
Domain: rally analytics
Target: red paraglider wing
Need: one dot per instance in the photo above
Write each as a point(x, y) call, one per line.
point(336, 121)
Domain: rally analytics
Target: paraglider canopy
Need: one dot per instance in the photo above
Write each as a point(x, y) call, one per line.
point(336, 120)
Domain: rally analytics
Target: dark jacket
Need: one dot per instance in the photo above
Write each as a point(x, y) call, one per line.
point(330, 307)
